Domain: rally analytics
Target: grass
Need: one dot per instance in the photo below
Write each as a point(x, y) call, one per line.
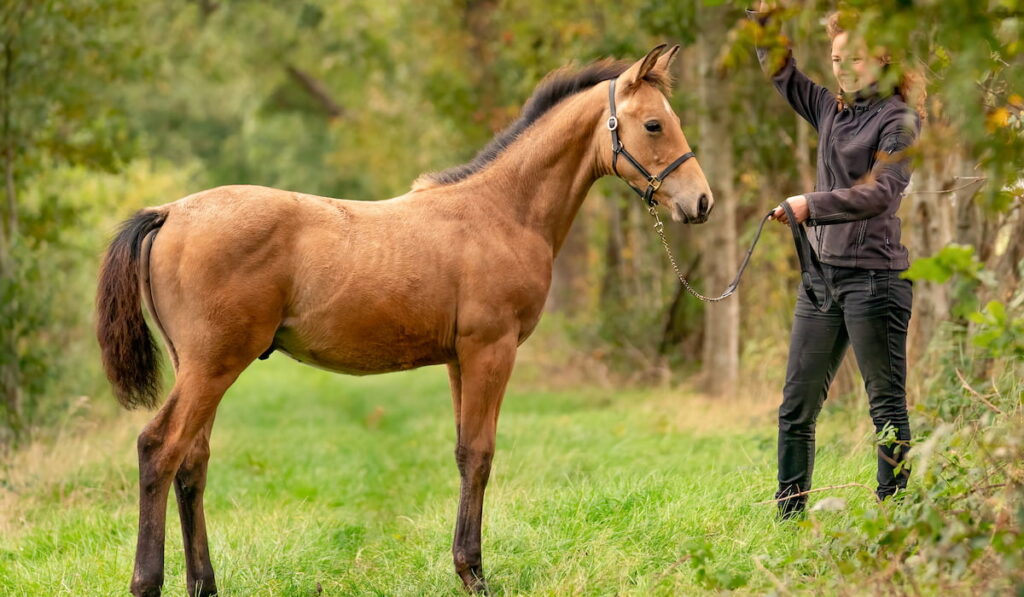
point(350, 484)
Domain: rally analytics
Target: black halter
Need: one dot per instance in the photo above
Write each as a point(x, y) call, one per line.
point(653, 182)
point(808, 259)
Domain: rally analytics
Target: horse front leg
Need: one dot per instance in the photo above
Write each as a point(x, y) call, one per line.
point(485, 369)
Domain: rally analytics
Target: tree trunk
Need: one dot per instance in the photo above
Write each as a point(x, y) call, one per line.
point(932, 224)
point(478, 22)
point(683, 334)
point(803, 154)
point(10, 374)
point(675, 323)
point(206, 9)
point(722, 319)
point(8, 141)
point(1008, 264)
point(632, 290)
point(10, 370)
point(569, 272)
point(611, 283)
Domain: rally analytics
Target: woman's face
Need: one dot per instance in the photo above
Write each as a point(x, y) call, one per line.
point(853, 68)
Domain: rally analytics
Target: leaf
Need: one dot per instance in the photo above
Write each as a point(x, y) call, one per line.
point(951, 260)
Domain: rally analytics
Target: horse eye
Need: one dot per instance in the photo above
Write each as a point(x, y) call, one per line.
point(652, 126)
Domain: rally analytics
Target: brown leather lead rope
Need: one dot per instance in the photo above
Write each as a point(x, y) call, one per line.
point(805, 254)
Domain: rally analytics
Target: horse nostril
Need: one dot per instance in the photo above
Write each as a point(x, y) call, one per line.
point(702, 206)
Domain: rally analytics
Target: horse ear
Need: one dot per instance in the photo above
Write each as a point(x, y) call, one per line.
point(665, 60)
point(635, 74)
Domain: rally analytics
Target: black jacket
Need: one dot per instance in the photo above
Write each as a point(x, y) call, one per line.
point(862, 168)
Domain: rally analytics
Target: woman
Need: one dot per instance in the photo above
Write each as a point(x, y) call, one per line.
point(864, 131)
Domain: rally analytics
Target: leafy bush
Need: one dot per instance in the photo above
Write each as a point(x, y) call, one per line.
point(957, 528)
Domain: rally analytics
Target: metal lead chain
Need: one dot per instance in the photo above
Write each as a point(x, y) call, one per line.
point(659, 227)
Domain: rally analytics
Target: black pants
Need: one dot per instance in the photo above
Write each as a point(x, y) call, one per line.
point(871, 312)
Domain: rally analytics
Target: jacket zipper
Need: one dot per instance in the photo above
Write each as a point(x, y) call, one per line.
point(831, 141)
point(828, 167)
point(861, 233)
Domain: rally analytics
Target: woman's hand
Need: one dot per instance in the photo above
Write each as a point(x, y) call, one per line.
point(799, 206)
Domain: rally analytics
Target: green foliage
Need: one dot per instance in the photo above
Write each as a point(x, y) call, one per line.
point(950, 261)
point(701, 553)
point(957, 261)
point(998, 333)
point(66, 216)
point(64, 62)
point(59, 105)
point(958, 526)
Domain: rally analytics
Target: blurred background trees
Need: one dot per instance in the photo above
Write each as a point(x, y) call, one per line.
point(110, 105)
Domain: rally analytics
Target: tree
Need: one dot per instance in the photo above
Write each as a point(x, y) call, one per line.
point(59, 60)
point(721, 320)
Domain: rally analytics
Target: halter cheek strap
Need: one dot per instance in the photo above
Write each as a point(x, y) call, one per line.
point(653, 182)
point(808, 259)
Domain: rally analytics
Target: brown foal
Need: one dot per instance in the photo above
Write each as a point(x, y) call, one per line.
point(456, 271)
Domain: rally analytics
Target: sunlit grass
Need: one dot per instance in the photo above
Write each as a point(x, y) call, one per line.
point(350, 484)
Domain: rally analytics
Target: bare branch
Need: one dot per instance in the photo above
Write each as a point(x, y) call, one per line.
point(317, 90)
point(984, 400)
point(810, 491)
point(779, 586)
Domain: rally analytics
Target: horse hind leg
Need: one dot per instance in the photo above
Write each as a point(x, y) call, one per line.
point(189, 486)
point(163, 446)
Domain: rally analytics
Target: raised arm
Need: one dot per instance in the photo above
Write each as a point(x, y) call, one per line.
point(807, 98)
point(886, 181)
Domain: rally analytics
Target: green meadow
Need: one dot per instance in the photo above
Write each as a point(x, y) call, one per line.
point(321, 482)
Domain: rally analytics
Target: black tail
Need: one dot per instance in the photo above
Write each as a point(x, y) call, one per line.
point(130, 357)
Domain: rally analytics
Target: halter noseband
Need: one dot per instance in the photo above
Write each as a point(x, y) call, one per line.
point(653, 182)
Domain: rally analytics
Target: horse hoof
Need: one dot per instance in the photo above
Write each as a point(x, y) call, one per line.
point(473, 579)
point(149, 591)
point(202, 589)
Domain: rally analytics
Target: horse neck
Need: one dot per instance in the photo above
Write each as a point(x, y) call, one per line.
point(543, 177)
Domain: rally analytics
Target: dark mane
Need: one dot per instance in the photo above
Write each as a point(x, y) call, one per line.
point(555, 87)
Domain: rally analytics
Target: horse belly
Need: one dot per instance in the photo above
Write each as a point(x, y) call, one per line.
point(363, 345)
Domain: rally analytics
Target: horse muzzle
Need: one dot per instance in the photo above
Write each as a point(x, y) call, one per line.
point(698, 213)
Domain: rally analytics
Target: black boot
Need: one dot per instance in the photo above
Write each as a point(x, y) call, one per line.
point(790, 505)
point(892, 457)
point(895, 493)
